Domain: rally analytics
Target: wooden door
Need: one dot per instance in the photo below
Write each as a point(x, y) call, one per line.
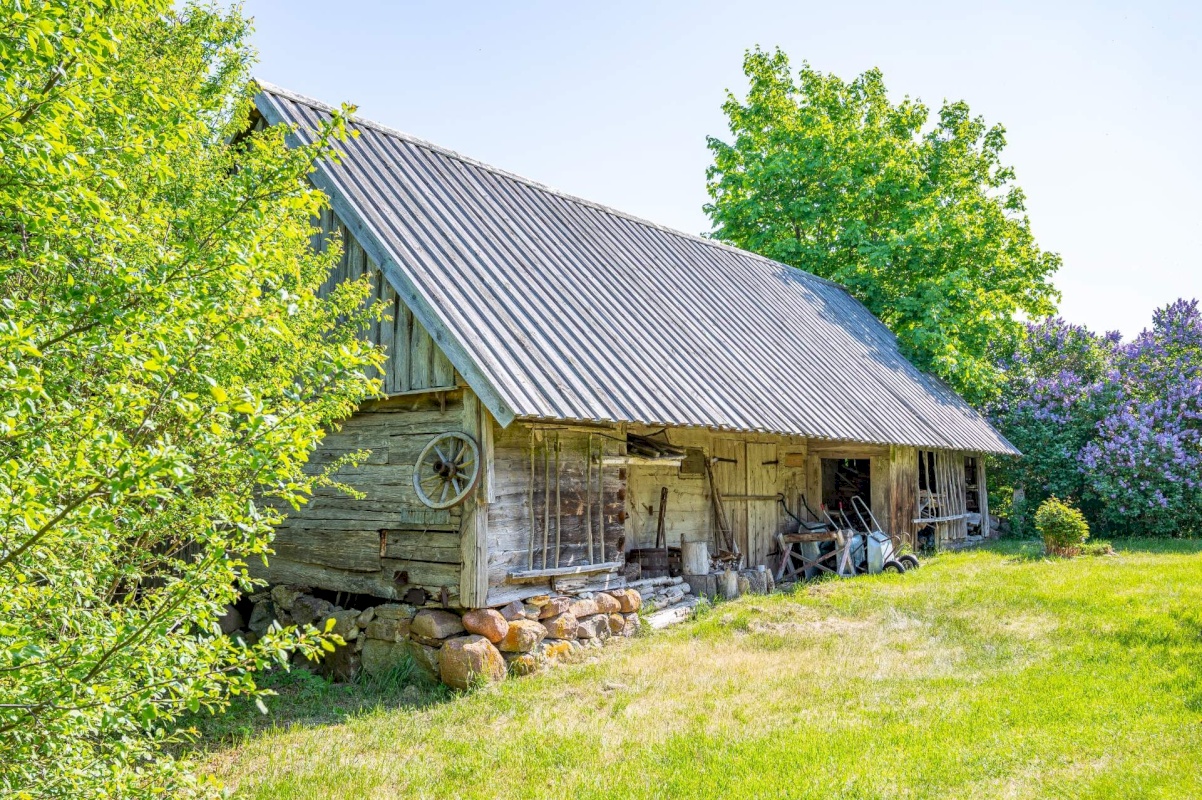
point(763, 516)
point(730, 476)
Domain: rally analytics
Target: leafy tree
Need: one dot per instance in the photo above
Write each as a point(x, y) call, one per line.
point(922, 223)
point(165, 367)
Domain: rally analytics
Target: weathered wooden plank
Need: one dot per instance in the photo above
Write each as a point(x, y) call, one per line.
point(339, 548)
point(473, 582)
point(387, 331)
point(534, 575)
point(442, 373)
point(284, 570)
point(825, 449)
point(403, 338)
point(763, 515)
point(421, 354)
point(878, 480)
point(427, 574)
point(903, 492)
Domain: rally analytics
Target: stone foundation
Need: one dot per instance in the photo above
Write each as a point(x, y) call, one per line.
point(463, 648)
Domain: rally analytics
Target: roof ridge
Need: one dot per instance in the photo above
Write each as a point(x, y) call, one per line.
point(446, 151)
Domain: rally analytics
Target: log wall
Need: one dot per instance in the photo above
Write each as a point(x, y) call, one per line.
point(387, 542)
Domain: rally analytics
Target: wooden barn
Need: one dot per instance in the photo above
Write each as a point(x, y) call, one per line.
point(569, 388)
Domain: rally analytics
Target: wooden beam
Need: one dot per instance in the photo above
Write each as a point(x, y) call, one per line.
point(527, 575)
point(473, 537)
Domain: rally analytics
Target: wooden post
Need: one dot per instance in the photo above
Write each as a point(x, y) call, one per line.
point(530, 503)
point(558, 503)
point(546, 496)
point(983, 493)
point(473, 535)
point(588, 498)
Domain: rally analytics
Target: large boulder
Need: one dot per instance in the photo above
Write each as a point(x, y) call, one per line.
point(426, 658)
point(435, 624)
point(341, 665)
point(583, 607)
point(523, 636)
point(607, 603)
point(230, 620)
point(346, 624)
point(284, 596)
point(523, 663)
point(487, 623)
point(387, 629)
point(555, 649)
point(515, 610)
point(465, 660)
point(261, 617)
point(379, 657)
point(395, 611)
point(628, 600)
point(554, 606)
point(308, 610)
point(594, 627)
point(561, 626)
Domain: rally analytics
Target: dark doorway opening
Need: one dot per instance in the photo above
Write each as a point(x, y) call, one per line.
point(843, 479)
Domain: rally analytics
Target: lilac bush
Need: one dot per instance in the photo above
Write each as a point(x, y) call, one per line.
point(1055, 393)
point(1144, 465)
point(1116, 427)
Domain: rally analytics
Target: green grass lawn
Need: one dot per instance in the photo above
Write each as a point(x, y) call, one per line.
point(993, 673)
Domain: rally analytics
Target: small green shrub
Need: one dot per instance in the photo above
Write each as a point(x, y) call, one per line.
point(1062, 527)
point(1097, 548)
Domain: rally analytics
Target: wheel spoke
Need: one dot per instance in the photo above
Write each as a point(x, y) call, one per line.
point(455, 481)
point(441, 457)
point(445, 488)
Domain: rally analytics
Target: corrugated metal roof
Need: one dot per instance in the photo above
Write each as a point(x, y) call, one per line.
point(569, 310)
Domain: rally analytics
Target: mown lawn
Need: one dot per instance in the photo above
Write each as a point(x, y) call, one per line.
point(988, 674)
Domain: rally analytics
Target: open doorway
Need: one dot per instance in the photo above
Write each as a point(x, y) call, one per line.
point(843, 479)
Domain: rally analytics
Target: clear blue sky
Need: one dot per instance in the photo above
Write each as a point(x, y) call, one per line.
point(612, 101)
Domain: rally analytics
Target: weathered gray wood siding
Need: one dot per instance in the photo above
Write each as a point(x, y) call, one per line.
point(388, 541)
point(584, 503)
point(414, 361)
point(754, 469)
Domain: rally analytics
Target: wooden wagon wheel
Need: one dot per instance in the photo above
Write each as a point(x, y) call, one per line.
point(447, 470)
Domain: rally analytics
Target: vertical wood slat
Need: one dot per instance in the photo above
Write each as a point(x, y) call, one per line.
point(414, 361)
point(420, 353)
point(387, 333)
point(473, 535)
point(878, 479)
point(763, 516)
point(983, 494)
point(404, 348)
point(903, 492)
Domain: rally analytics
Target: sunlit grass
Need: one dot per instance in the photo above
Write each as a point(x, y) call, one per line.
point(987, 674)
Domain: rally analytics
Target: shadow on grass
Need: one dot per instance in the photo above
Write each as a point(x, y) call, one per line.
point(305, 699)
